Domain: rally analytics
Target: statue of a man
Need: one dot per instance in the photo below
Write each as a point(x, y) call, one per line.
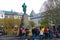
point(24, 8)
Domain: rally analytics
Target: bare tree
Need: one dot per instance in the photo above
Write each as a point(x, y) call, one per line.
point(52, 12)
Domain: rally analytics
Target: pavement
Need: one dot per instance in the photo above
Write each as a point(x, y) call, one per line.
point(12, 37)
point(8, 37)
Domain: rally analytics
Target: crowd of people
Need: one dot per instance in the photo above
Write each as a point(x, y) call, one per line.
point(38, 33)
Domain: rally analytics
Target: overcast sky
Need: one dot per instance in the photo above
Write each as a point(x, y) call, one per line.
point(16, 5)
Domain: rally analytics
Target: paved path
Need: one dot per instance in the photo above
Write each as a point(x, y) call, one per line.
point(17, 38)
point(7, 37)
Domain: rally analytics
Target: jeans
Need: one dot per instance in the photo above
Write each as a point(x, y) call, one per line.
point(35, 37)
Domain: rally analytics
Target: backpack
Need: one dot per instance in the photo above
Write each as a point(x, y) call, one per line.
point(38, 31)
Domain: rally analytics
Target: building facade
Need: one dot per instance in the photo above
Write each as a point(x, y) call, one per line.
point(36, 18)
point(2, 15)
point(10, 14)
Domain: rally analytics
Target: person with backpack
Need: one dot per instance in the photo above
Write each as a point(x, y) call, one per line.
point(35, 33)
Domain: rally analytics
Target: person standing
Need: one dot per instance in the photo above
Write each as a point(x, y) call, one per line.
point(41, 33)
point(46, 32)
point(50, 34)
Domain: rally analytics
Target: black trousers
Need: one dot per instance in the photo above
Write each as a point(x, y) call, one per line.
point(46, 35)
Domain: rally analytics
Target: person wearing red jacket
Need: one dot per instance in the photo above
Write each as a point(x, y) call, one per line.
point(46, 32)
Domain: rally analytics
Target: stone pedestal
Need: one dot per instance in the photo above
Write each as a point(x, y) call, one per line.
point(26, 22)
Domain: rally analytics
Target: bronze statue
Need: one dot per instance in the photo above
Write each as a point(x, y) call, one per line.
point(24, 8)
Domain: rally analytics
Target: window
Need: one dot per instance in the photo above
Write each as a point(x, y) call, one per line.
point(2, 15)
point(38, 21)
